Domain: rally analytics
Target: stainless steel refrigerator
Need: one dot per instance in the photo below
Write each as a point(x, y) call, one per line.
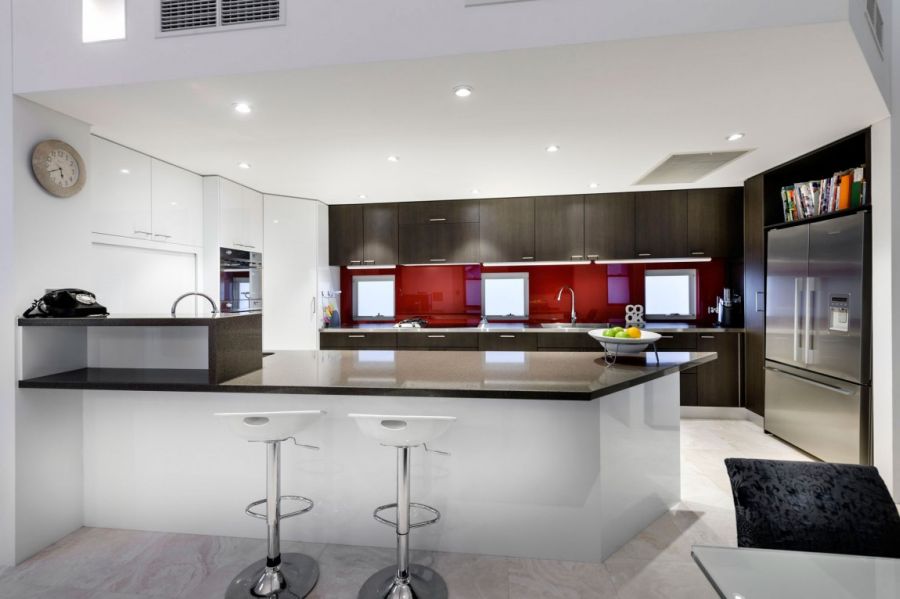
point(818, 337)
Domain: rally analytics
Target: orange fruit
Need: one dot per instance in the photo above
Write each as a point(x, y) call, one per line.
point(633, 332)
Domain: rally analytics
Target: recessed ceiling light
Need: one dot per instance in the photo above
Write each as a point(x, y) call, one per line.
point(476, 191)
point(173, 203)
point(275, 221)
point(594, 185)
point(553, 148)
point(242, 108)
point(393, 158)
point(735, 136)
point(244, 165)
point(462, 91)
point(362, 196)
point(125, 171)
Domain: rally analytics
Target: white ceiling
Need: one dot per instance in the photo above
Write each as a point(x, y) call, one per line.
point(616, 109)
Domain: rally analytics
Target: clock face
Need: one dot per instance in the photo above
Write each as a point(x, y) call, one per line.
point(58, 168)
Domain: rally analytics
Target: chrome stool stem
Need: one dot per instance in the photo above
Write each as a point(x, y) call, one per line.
point(403, 475)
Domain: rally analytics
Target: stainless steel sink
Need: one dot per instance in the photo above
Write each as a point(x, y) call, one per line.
point(577, 325)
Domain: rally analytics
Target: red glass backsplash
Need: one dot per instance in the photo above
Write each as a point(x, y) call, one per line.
point(451, 295)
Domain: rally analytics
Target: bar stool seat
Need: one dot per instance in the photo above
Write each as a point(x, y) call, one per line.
point(277, 575)
point(404, 580)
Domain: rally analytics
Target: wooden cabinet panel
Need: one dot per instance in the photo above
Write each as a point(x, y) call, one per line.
point(439, 243)
point(689, 388)
point(559, 225)
point(438, 341)
point(380, 234)
point(446, 211)
point(177, 204)
point(609, 226)
point(358, 340)
point(660, 228)
point(508, 341)
point(345, 235)
point(754, 295)
point(120, 190)
point(715, 222)
point(718, 382)
point(677, 342)
point(507, 230)
point(567, 342)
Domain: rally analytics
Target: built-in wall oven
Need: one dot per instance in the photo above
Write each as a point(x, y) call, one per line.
point(240, 280)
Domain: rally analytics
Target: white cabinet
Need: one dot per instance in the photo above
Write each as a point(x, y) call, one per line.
point(120, 190)
point(136, 196)
point(240, 217)
point(176, 204)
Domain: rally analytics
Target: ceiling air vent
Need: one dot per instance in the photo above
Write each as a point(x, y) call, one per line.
point(688, 168)
point(180, 17)
point(876, 23)
point(485, 2)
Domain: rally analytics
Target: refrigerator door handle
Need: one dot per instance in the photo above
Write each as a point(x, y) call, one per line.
point(834, 388)
point(797, 339)
point(807, 319)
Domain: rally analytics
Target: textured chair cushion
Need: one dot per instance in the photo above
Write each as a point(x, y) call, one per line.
point(809, 506)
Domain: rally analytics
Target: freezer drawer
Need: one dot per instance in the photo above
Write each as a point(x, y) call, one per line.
point(822, 416)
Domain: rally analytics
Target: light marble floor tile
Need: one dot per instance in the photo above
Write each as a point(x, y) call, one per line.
point(94, 563)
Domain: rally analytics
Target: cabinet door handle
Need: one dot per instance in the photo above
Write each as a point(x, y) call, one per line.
point(312, 305)
point(666, 336)
point(507, 336)
point(644, 255)
point(162, 235)
point(698, 253)
point(368, 262)
point(437, 260)
point(437, 220)
point(577, 256)
point(527, 257)
point(142, 232)
point(760, 301)
point(437, 336)
point(356, 336)
point(593, 256)
point(707, 336)
point(356, 262)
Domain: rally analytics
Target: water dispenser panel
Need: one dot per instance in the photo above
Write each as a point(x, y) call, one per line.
point(839, 308)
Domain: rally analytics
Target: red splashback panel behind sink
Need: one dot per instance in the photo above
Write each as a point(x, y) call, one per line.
point(451, 295)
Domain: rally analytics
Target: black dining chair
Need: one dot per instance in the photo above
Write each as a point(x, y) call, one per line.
point(812, 506)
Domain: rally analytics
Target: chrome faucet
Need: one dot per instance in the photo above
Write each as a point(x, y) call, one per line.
point(559, 298)
point(190, 293)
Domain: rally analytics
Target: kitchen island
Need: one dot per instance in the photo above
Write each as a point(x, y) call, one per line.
point(555, 455)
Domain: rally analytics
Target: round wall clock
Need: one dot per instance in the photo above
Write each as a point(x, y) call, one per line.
point(58, 167)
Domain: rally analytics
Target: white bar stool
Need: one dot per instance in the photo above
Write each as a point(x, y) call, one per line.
point(278, 575)
point(405, 580)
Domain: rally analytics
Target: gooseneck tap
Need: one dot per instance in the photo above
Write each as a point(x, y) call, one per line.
point(559, 298)
point(190, 293)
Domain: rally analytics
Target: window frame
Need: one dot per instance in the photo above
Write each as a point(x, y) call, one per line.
point(486, 276)
point(692, 299)
point(369, 278)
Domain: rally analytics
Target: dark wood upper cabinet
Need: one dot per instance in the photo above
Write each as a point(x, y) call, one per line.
point(715, 222)
point(380, 234)
point(445, 211)
point(559, 228)
point(660, 224)
point(609, 224)
point(345, 235)
point(439, 243)
point(507, 230)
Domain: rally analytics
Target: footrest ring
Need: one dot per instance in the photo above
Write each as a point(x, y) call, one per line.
point(421, 506)
point(262, 516)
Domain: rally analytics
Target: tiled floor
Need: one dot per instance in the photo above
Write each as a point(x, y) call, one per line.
point(117, 564)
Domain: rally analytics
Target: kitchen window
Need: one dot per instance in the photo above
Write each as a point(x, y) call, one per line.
point(670, 294)
point(102, 20)
point(373, 297)
point(504, 295)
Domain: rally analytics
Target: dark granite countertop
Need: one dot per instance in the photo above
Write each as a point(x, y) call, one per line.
point(136, 320)
point(580, 376)
point(499, 327)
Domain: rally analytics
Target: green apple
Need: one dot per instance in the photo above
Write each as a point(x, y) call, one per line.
point(623, 335)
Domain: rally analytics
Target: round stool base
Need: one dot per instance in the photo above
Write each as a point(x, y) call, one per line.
point(424, 583)
point(300, 573)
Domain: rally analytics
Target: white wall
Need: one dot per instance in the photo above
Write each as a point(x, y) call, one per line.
point(7, 302)
point(325, 32)
point(878, 63)
point(52, 249)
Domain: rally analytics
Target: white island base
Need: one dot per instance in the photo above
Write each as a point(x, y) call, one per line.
point(565, 480)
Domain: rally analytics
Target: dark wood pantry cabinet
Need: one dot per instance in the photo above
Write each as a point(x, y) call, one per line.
point(507, 230)
point(559, 228)
point(609, 226)
point(660, 224)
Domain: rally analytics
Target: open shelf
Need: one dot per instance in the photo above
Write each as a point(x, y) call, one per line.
point(130, 379)
point(815, 219)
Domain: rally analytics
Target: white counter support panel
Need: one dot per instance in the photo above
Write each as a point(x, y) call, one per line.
point(545, 479)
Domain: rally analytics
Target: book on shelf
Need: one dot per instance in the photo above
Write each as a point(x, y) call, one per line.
point(842, 191)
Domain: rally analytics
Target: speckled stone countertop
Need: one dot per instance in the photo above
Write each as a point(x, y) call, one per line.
point(575, 376)
point(499, 327)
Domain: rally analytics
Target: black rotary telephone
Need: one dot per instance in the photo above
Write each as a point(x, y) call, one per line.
point(66, 303)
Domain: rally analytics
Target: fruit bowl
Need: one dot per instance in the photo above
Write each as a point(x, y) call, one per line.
point(624, 345)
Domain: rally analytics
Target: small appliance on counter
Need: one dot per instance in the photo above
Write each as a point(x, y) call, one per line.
point(412, 323)
point(727, 309)
point(634, 316)
point(331, 314)
point(240, 280)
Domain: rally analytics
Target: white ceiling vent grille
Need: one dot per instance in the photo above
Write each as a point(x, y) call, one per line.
point(237, 12)
point(876, 23)
point(180, 17)
point(688, 168)
point(470, 3)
